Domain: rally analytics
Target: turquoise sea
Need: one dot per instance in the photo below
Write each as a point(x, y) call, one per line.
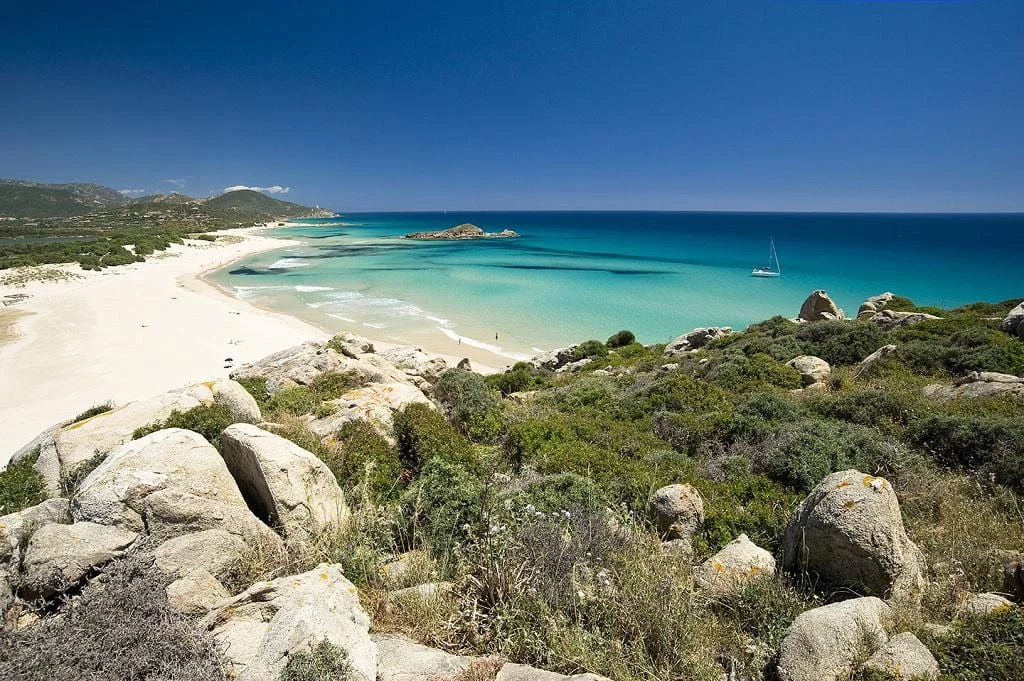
point(578, 275)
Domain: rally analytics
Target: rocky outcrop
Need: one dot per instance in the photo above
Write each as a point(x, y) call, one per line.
point(825, 644)
point(459, 233)
point(903, 658)
point(696, 339)
point(237, 399)
point(887, 320)
point(975, 385)
point(813, 370)
point(414, 362)
point(819, 306)
point(738, 564)
point(61, 555)
point(73, 445)
point(214, 551)
point(1013, 573)
point(16, 529)
point(259, 628)
point(377, 403)
point(399, 659)
point(677, 511)
point(849, 531)
point(553, 360)
point(351, 345)
point(1013, 324)
point(986, 604)
point(169, 483)
point(874, 304)
point(870, 364)
point(197, 593)
point(287, 486)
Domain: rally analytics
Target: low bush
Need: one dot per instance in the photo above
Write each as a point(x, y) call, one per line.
point(620, 339)
point(981, 648)
point(840, 343)
point(21, 486)
point(990, 445)
point(367, 462)
point(423, 433)
point(94, 410)
point(324, 661)
point(470, 403)
point(443, 507)
point(299, 400)
point(120, 627)
point(209, 420)
point(590, 348)
point(521, 377)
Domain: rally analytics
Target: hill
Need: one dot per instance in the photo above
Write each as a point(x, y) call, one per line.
point(249, 201)
point(24, 198)
point(172, 198)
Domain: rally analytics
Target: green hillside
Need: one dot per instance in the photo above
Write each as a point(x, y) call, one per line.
point(249, 201)
point(23, 198)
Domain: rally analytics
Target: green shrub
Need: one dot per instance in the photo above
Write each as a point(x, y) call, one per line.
point(982, 648)
point(760, 414)
point(868, 407)
point(332, 385)
point(257, 387)
point(742, 373)
point(296, 400)
point(620, 339)
point(564, 491)
point(299, 400)
point(991, 445)
point(840, 343)
point(322, 662)
point(521, 377)
point(470, 403)
point(423, 434)
point(21, 486)
point(443, 507)
point(94, 410)
point(590, 348)
point(209, 420)
point(901, 304)
point(367, 458)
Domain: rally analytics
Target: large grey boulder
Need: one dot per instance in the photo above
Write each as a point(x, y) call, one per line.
point(849, 531)
point(197, 593)
point(214, 551)
point(521, 672)
point(975, 385)
point(738, 564)
point(1014, 321)
point(294, 490)
point(870, 364)
point(415, 362)
point(17, 528)
point(59, 555)
point(887, 320)
point(904, 658)
point(399, 659)
point(696, 339)
point(986, 604)
point(677, 511)
point(377, 403)
point(874, 304)
point(819, 306)
point(813, 370)
point(553, 360)
point(1013, 573)
point(351, 345)
point(825, 644)
point(169, 483)
point(74, 444)
point(259, 628)
point(237, 399)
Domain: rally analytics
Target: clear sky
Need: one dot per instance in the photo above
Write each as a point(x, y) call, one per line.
point(634, 104)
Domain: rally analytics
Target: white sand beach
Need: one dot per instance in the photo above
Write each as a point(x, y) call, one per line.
point(130, 332)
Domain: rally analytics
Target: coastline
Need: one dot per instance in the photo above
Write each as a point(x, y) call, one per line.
point(127, 333)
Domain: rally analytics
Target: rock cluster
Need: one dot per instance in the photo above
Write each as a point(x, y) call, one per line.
point(977, 384)
point(819, 306)
point(459, 233)
point(887, 320)
point(814, 371)
point(1014, 321)
point(874, 304)
point(696, 339)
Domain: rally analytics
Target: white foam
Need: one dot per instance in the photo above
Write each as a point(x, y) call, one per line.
point(344, 319)
point(374, 325)
point(244, 292)
point(288, 264)
point(489, 347)
point(312, 289)
point(439, 320)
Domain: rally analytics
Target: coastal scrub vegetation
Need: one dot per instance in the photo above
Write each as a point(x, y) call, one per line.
point(21, 485)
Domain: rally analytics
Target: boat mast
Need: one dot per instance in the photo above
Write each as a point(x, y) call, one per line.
point(773, 254)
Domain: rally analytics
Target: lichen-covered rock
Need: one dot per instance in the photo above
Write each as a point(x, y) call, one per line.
point(17, 528)
point(214, 551)
point(975, 385)
point(738, 564)
point(904, 658)
point(986, 604)
point(294, 490)
point(399, 659)
point(74, 444)
point(259, 628)
point(677, 510)
point(351, 345)
point(812, 369)
point(696, 339)
point(552, 360)
point(169, 483)
point(886, 320)
point(377, 403)
point(415, 362)
point(819, 306)
point(59, 555)
point(874, 304)
point(824, 644)
point(849, 531)
point(237, 399)
point(870, 364)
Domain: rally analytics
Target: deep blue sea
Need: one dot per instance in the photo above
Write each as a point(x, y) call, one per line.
point(578, 275)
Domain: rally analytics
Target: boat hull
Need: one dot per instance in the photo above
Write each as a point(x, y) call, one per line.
point(765, 275)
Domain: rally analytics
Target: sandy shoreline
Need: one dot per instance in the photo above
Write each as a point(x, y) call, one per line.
point(129, 332)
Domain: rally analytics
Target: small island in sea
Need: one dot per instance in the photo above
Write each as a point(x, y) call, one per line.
point(461, 232)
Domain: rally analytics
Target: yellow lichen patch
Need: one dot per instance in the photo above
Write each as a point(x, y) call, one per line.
point(848, 504)
point(324, 576)
point(718, 567)
point(208, 384)
point(754, 569)
point(79, 424)
point(844, 483)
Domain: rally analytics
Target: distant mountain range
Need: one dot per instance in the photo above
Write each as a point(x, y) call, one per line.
point(24, 198)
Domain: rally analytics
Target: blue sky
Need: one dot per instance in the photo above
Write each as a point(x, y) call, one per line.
point(638, 104)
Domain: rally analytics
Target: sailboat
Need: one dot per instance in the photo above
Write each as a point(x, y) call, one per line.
point(773, 269)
